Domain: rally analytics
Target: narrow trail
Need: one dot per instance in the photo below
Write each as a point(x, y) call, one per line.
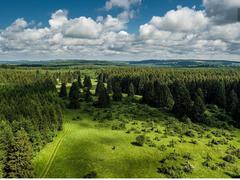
point(52, 157)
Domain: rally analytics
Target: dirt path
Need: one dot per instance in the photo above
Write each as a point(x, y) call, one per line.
point(50, 160)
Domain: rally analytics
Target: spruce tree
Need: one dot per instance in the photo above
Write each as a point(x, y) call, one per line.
point(103, 97)
point(117, 91)
point(219, 94)
point(87, 82)
point(148, 94)
point(88, 97)
point(232, 102)
point(198, 109)
point(131, 91)
point(6, 140)
point(182, 99)
point(63, 91)
point(74, 96)
point(20, 157)
point(97, 90)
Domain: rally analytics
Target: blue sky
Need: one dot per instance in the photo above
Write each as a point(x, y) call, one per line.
point(41, 10)
point(119, 29)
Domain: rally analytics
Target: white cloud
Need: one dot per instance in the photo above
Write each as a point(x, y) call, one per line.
point(125, 4)
point(180, 33)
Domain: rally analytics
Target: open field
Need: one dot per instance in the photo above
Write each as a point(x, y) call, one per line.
point(87, 145)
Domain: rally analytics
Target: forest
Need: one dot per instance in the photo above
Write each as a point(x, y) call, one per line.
point(101, 121)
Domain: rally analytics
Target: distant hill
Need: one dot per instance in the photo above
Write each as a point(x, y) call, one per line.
point(155, 63)
point(186, 63)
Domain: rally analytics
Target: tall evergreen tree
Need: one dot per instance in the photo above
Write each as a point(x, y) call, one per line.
point(88, 97)
point(148, 94)
point(117, 91)
point(20, 157)
point(103, 97)
point(87, 82)
point(220, 94)
point(97, 90)
point(131, 91)
point(74, 96)
point(182, 99)
point(109, 86)
point(232, 102)
point(63, 91)
point(198, 109)
point(6, 140)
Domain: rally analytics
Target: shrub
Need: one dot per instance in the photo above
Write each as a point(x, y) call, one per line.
point(139, 140)
point(172, 170)
point(221, 164)
point(193, 141)
point(187, 156)
point(157, 139)
point(172, 143)
point(229, 158)
point(187, 167)
point(189, 134)
point(92, 174)
point(162, 147)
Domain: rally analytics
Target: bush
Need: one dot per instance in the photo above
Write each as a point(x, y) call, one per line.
point(187, 167)
point(229, 158)
point(172, 144)
point(187, 156)
point(162, 147)
point(189, 134)
point(193, 141)
point(139, 140)
point(92, 174)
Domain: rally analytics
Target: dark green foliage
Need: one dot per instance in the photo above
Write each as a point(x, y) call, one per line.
point(131, 92)
point(232, 103)
point(87, 95)
point(109, 86)
point(79, 81)
point(117, 91)
point(148, 94)
point(229, 158)
point(220, 94)
point(92, 174)
point(140, 140)
point(182, 99)
point(103, 97)
point(74, 96)
point(198, 109)
point(87, 82)
point(63, 91)
point(19, 163)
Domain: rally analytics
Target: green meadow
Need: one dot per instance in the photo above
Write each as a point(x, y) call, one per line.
point(101, 143)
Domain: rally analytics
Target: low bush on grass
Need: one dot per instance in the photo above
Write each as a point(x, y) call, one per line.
point(187, 156)
point(189, 134)
point(162, 147)
point(229, 158)
point(92, 174)
point(140, 140)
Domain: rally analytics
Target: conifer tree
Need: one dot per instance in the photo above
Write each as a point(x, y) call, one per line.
point(131, 92)
point(117, 91)
point(182, 99)
point(103, 97)
point(88, 97)
point(219, 94)
point(198, 109)
point(74, 96)
point(87, 82)
point(6, 140)
point(148, 94)
point(63, 91)
point(98, 88)
point(232, 102)
point(20, 157)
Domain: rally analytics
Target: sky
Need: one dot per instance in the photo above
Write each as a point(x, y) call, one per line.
point(119, 29)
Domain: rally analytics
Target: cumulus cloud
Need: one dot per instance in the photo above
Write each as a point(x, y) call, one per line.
point(222, 11)
point(181, 33)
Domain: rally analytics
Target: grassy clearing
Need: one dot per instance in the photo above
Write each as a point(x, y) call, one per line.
point(101, 141)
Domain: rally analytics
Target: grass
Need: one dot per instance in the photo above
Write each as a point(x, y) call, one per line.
point(89, 144)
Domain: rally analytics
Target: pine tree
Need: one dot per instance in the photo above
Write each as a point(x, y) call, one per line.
point(219, 94)
point(88, 97)
point(148, 94)
point(198, 109)
point(109, 86)
point(63, 91)
point(100, 78)
point(87, 82)
point(165, 97)
point(103, 97)
point(117, 91)
point(74, 96)
point(232, 102)
point(6, 140)
point(182, 99)
point(98, 88)
point(131, 92)
point(20, 157)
